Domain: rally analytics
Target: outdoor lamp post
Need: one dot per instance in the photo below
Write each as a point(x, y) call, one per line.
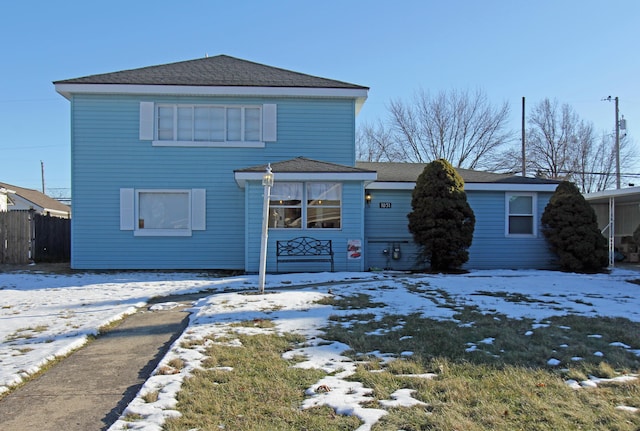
point(267, 182)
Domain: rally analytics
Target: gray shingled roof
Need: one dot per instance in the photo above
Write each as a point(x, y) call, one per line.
point(37, 198)
point(302, 164)
point(409, 172)
point(221, 70)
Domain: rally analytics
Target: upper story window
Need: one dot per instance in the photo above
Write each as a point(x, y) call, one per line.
point(521, 210)
point(306, 206)
point(209, 123)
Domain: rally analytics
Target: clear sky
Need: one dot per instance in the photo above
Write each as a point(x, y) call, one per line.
point(575, 51)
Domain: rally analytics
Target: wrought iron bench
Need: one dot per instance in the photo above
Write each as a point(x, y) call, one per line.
point(304, 249)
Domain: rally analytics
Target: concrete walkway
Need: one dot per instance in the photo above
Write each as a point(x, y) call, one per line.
point(89, 389)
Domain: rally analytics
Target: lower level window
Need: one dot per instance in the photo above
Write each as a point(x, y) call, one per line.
point(163, 210)
point(521, 209)
point(323, 205)
point(306, 206)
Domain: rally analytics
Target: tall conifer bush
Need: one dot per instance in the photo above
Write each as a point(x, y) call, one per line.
point(442, 222)
point(570, 226)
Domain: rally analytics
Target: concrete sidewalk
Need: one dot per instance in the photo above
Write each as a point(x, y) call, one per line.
point(89, 389)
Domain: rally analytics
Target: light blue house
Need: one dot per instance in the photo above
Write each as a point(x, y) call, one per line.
point(167, 167)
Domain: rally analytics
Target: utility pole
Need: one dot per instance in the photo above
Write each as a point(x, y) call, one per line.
point(617, 123)
point(524, 159)
point(42, 175)
point(617, 146)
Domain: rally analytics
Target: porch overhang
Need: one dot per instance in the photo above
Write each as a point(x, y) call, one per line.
point(242, 177)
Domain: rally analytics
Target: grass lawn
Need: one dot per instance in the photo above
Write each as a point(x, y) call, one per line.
point(491, 373)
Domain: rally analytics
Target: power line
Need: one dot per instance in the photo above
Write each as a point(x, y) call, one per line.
point(613, 174)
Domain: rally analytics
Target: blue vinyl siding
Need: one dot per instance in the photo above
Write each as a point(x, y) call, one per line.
point(107, 155)
point(352, 228)
point(386, 228)
point(491, 248)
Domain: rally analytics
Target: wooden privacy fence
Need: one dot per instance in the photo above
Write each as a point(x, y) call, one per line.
point(26, 236)
point(15, 236)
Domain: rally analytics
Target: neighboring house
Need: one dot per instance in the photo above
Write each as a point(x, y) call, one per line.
point(4, 199)
point(167, 167)
point(19, 198)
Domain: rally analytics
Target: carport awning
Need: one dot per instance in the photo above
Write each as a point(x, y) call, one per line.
point(623, 196)
point(630, 195)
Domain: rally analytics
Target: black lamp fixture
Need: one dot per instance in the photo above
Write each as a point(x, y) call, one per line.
point(367, 197)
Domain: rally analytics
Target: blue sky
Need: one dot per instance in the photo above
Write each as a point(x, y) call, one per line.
point(577, 52)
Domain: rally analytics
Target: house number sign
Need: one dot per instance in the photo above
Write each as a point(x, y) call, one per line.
point(385, 204)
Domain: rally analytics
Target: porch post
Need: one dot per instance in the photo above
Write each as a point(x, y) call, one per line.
point(612, 236)
point(267, 182)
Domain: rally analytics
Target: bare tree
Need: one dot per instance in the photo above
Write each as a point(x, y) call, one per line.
point(552, 139)
point(562, 146)
point(374, 143)
point(597, 163)
point(460, 127)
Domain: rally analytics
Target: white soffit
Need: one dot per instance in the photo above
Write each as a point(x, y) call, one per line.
point(68, 89)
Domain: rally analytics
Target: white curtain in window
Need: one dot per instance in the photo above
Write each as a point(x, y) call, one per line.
point(201, 124)
point(217, 124)
point(165, 123)
point(323, 191)
point(185, 123)
point(286, 192)
point(160, 210)
point(234, 124)
point(251, 124)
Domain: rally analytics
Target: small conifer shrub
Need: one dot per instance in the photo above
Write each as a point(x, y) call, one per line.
point(570, 226)
point(441, 220)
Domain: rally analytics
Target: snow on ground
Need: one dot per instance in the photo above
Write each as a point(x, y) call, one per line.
point(45, 315)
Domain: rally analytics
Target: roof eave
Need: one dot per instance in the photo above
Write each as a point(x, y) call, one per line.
point(68, 89)
point(242, 177)
point(504, 187)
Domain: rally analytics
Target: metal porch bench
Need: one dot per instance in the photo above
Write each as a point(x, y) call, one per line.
point(304, 249)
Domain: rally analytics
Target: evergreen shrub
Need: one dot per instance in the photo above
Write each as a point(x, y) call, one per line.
point(570, 226)
point(441, 220)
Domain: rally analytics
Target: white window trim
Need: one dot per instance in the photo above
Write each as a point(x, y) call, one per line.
point(534, 209)
point(304, 204)
point(209, 144)
point(161, 232)
point(129, 212)
point(267, 125)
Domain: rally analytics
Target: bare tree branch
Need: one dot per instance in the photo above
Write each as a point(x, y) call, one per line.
point(374, 143)
point(460, 127)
